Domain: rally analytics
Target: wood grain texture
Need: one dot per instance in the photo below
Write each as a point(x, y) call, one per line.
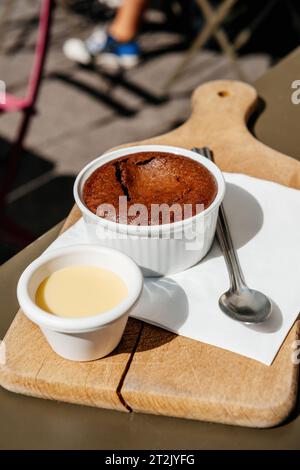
point(32, 368)
point(176, 376)
point(155, 371)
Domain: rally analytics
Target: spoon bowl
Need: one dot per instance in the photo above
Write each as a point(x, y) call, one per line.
point(246, 305)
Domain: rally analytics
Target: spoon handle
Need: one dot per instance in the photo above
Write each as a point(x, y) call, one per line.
point(224, 238)
point(225, 241)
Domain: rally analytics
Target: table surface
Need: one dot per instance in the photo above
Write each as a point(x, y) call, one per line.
point(31, 423)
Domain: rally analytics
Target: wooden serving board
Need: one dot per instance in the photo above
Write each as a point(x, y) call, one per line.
point(155, 371)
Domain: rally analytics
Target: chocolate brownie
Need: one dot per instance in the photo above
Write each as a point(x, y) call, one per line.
point(150, 178)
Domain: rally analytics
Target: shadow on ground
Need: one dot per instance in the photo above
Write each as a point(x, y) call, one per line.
point(31, 165)
point(39, 210)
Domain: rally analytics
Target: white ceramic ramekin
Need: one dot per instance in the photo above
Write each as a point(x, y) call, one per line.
point(88, 338)
point(160, 249)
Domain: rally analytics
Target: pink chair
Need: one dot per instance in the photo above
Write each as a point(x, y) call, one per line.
point(26, 106)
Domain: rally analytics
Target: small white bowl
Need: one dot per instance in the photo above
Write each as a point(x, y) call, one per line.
point(86, 338)
point(157, 249)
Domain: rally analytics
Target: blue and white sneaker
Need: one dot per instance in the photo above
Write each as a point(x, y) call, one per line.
point(103, 49)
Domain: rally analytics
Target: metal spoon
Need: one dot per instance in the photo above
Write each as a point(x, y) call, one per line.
point(239, 302)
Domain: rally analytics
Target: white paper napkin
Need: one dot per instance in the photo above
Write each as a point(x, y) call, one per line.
point(264, 219)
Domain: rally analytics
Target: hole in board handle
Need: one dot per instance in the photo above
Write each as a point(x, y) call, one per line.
point(223, 93)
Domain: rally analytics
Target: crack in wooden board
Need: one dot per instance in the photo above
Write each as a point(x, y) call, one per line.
point(176, 376)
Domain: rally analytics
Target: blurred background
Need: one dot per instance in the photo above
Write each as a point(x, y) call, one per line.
point(63, 105)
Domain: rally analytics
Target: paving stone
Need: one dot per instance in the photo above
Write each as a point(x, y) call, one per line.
point(22, 9)
point(19, 41)
point(206, 65)
point(15, 70)
point(122, 96)
point(62, 109)
point(9, 123)
point(72, 153)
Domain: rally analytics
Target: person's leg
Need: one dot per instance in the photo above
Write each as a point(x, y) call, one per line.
point(115, 45)
point(125, 25)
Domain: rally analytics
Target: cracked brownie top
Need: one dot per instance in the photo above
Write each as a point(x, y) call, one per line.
point(149, 178)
